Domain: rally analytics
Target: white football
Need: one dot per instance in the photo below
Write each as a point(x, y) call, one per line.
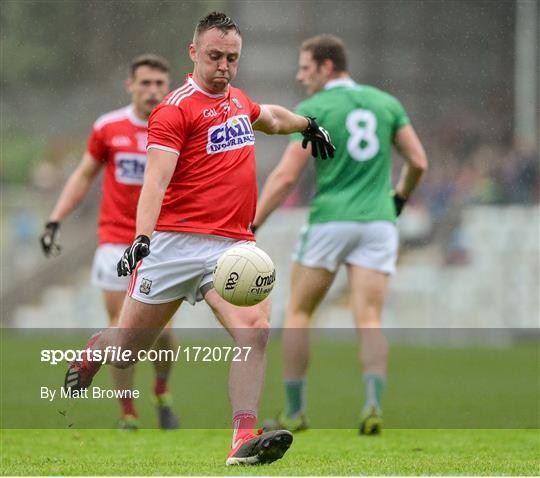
point(244, 275)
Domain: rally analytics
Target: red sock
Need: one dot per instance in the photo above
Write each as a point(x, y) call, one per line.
point(244, 422)
point(91, 365)
point(160, 386)
point(128, 406)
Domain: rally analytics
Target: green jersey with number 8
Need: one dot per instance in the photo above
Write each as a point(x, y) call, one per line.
point(362, 121)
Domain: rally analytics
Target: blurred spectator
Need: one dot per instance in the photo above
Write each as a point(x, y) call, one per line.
point(518, 176)
point(486, 175)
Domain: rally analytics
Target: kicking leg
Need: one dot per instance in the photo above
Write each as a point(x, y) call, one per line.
point(249, 328)
point(138, 328)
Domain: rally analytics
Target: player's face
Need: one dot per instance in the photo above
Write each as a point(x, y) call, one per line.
point(215, 57)
point(312, 76)
point(147, 88)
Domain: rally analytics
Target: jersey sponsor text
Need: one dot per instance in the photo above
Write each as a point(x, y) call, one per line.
point(234, 133)
point(130, 168)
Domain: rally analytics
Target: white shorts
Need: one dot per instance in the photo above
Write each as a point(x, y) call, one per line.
point(104, 273)
point(373, 245)
point(178, 266)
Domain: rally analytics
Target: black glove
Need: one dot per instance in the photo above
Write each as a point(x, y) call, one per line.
point(133, 254)
point(48, 239)
point(399, 203)
point(319, 139)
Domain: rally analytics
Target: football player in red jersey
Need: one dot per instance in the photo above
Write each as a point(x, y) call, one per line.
point(117, 144)
point(198, 200)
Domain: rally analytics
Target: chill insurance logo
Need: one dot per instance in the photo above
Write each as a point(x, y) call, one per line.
point(235, 133)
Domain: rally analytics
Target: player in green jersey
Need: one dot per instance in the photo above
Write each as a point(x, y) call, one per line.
point(352, 217)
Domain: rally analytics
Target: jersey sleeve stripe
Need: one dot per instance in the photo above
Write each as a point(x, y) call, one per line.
point(185, 95)
point(178, 93)
point(111, 117)
point(163, 148)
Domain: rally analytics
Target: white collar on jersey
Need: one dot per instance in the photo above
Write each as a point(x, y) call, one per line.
point(191, 81)
point(349, 82)
point(134, 118)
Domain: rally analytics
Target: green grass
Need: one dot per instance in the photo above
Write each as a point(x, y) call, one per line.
point(315, 452)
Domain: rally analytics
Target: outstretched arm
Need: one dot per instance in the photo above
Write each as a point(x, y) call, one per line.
point(276, 119)
point(281, 181)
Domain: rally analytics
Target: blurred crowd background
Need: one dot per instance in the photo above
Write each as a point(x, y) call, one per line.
point(466, 72)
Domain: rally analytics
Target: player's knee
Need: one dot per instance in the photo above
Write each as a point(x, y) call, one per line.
point(254, 317)
point(124, 349)
point(300, 313)
point(254, 335)
point(123, 364)
point(297, 320)
point(369, 320)
point(258, 338)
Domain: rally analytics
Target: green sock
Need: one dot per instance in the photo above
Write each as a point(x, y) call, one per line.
point(374, 387)
point(294, 390)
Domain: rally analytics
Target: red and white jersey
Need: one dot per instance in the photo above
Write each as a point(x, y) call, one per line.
point(214, 187)
point(118, 139)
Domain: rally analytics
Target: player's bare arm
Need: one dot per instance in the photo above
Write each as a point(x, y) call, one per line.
point(276, 119)
point(160, 167)
point(77, 187)
point(281, 181)
point(409, 146)
point(75, 190)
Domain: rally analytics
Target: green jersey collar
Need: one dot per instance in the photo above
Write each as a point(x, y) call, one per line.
point(348, 82)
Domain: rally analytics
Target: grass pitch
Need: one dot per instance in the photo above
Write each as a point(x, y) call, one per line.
point(315, 452)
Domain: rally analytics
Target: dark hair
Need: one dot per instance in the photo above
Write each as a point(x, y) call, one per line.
point(151, 60)
point(327, 47)
point(216, 20)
